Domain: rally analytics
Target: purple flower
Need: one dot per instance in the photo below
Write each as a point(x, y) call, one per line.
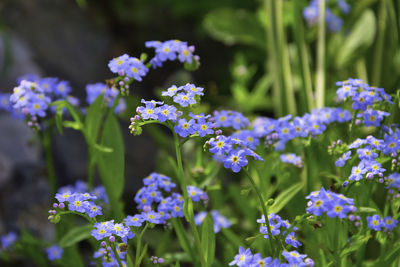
point(54, 253)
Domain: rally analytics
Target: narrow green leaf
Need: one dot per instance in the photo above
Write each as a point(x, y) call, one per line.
point(392, 255)
point(72, 124)
point(233, 26)
point(355, 245)
point(285, 197)
point(360, 38)
point(208, 239)
point(367, 210)
point(76, 235)
point(103, 148)
point(232, 237)
point(111, 165)
point(58, 117)
point(93, 119)
point(182, 237)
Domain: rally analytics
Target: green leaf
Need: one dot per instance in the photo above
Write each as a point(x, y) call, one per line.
point(32, 248)
point(58, 117)
point(233, 26)
point(392, 255)
point(367, 210)
point(285, 197)
point(208, 239)
point(103, 148)
point(232, 237)
point(93, 119)
point(72, 124)
point(76, 235)
point(360, 38)
point(182, 237)
point(111, 165)
point(355, 244)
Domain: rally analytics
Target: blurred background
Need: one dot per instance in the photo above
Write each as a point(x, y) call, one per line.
point(74, 40)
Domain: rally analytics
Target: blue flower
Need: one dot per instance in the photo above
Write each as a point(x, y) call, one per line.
point(293, 257)
point(93, 210)
point(389, 223)
point(204, 128)
point(292, 159)
point(366, 153)
point(151, 217)
point(343, 158)
point(184, 99)
point(54, 253)
point(291, 240)
point(375, 222)
point(373, 117)
point(335, 205)
point(171, 50)
point(8, 240)
point(235, 160)
point(166, 112)
point(184, 127)
point(243, 258)
point(196, 194)
point(135, 220)
point(102, 230)
point(357, 172)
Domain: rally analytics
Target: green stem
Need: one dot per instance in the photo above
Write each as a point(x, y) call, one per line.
point(48, 152)
point(117, 255)
point(92, 164)
point(284, 58)
point(273, 64)
point(139, 245)
point(379, 48)
point(303, 56)
point(320, 73)
point(263, 206)
point(182, 181)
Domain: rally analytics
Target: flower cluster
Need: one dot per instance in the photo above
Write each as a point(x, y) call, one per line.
point(82, 187)
point(110, 229)
point(368, 151)
point(232, 152)
point(219, 220)
point(334, 205)
point(292, 159)
point(33, 96)
point(171, 50)
point(245, 258)
point(278, 226)
point(183, 124)
point(110, 93)
point(230, 118)
point(376, 223)
point(364, 98)
point(129, 67)
point(279, 132)
point(78, 202)
point(7, 106)
point(77, 199)
point(8, 240)
point(54, 253)
point(311, 14)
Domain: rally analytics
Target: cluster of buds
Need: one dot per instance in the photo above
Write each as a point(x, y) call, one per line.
point(134, 128)
point(156, 260)
point(54, 218)
point(124, 83)
point(395, 161)
point(33, 123)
